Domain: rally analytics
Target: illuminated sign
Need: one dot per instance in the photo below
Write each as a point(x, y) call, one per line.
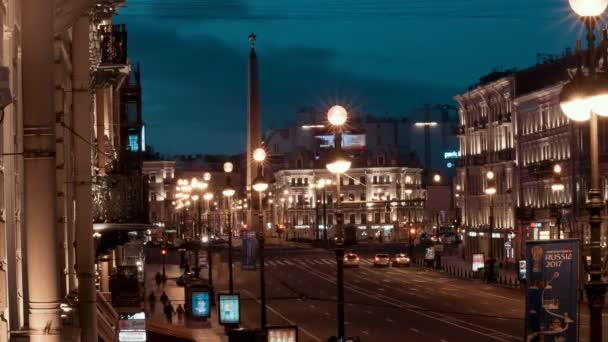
point(200, 304)
point(451, 155)
point(349, 141)
point(132, 327)
point(132, 336)
point(282, 334)
point(229, 308)
point(478, 262)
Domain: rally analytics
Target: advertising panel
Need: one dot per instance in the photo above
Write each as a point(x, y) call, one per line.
point(430, 254)
point(132, 327)
point(522, 269)
point(250, 247)
point(478, 262)
point(229, 308)
point(551, 292)
point(282, 334)
point(200, 304)
point(349, 141)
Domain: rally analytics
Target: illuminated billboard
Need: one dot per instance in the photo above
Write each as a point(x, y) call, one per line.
point(349, 141)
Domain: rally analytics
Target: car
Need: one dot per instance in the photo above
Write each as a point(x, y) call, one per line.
point(183, 279)
point(351, 260)
point(382, 260)
point(401, 259)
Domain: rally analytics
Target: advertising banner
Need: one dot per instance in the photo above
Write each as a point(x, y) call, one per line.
point(250, 247)
point(229, 308)
point(551, 292)
point(200, 304)
point(282, 334)
point(478, 262)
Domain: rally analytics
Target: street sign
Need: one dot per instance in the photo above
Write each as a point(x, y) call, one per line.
point(287, 333)
point(201, 304)
point(249, 246)
point(551, 293)
point(478, 262)
point(229, 308)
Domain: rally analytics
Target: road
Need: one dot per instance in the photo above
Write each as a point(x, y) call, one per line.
point(382, 304)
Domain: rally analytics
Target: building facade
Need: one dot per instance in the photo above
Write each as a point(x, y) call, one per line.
point(487, 144)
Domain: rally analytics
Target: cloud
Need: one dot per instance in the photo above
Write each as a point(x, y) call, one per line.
point(194, 87)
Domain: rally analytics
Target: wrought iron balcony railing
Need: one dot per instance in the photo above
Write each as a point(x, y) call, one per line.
point(120, 198)
point(113, 44)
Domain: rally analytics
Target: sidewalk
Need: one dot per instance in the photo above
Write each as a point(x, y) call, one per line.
point(207, 331)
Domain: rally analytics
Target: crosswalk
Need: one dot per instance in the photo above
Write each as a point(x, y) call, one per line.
point(307, 262)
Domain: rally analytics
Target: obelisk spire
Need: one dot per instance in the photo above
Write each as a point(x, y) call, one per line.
point(254, 129)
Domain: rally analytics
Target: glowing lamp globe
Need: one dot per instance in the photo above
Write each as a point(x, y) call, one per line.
point(557, 168)
point(490, 191)
point(208, 196)
point(588, 8)
point(437, 178)
point(228, 167)
point(408, 191)
point(557, 187)
point(339, 166)
point(259, 155)
point(228, 192)
point(260, 187)
point(207, 176)
point(337, 115)
point(490, 175)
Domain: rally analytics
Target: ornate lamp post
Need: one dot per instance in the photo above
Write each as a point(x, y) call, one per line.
point(491, 191)
point(584, 98)
point(228, 192)
point(337, 116)
point(260, 185)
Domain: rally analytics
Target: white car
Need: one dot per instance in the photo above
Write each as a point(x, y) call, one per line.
point(351, 260)
point(401, 260)
point(382, 260)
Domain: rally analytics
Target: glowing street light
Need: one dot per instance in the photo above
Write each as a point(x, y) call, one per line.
point(337, 115)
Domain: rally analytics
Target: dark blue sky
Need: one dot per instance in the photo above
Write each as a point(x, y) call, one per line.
point(380, 56)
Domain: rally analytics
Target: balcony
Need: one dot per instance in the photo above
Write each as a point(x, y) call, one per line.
point(541, 169)
point(113, 45)
point(120, 198)
point(504, 117)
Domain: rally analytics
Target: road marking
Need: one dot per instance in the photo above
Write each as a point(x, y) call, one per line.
point(415, 330)
point(389, 320)
point(415, 309)
point(276, 312)
point(442, 340)
point(280, 263)
point(365, 332)
point(288, 262)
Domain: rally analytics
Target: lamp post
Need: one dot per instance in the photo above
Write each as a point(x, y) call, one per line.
point(260, 185)
point(557, 187)
point(337, 116)
point(208, 197)
point(491, 191)
point(228, 192)
point(163, 253)
point(584, 98)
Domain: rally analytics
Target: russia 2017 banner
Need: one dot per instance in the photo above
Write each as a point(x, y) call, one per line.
point(551, 292)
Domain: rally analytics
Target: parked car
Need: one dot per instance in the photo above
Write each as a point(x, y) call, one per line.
point(401, 259)
point(183, 279)
point(382, 260)
point(351, 260)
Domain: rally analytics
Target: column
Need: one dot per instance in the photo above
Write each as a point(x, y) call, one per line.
point(105, 274)
point(40, 218)
point(85, 248)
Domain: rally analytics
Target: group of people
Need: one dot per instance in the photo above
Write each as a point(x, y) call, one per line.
point(168, 308)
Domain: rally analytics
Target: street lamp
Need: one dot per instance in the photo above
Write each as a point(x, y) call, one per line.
point(582, 99)
point(228, 192)
point(437, 178)
point(260, 185)
point(337, 116)
point(491, 191)
point(557, 187)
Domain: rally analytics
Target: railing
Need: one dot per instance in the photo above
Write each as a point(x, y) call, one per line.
point(120, 199)
point(113, 44)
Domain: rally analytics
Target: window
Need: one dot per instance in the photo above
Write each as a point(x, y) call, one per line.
point(375, 180)
point(362, 180)
point(293, 181)
point(362, 196)
point(305, 181)
point(299, 181)
point(152, 178)
point(341, 181)
point(363, 218)
point(306, 219)
point(300, 199)
point(351, 219)
point(153, 196)
point(329, 199)
point(381, 161)
point(330, 219)
point(351, 196)
point(387, 217)
point(377, 218)
point(351, 181)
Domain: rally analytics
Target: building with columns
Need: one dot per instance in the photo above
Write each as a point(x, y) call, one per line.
point(63, 133)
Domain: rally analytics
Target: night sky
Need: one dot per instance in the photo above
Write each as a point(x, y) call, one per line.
point(378, 56)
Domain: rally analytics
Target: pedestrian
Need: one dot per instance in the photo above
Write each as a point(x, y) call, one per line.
point(180, 312)
point(169, 311)
point(164, 298)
